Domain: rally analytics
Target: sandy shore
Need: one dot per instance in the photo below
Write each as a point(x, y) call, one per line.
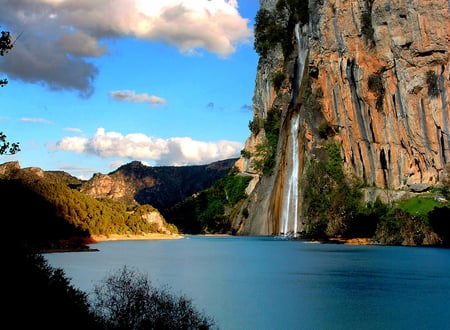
point(158, 236)
point(149, 236)
point(349, 241)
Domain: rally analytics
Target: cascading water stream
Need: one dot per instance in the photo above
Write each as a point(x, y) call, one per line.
point(289, 218)
point(290, 209)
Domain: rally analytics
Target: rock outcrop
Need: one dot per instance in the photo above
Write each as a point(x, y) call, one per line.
point(372, 76)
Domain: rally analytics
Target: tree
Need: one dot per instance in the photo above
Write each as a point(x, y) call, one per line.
point(7, 148)
point(6, 44)
point(38, 296)
point(126, 299)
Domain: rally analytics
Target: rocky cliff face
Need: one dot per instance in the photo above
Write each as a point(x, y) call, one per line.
point(372, 76)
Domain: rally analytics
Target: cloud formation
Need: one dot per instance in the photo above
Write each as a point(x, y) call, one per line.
point(176, 151)
point(131, 96)
point(73, 129)
point(34, 120)
point(58, 37)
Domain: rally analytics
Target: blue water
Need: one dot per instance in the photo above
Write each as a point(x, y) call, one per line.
point(267, 283)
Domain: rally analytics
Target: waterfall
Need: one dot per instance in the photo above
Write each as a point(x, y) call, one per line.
point(289, 219)
point(289, 216)
point(302, 49)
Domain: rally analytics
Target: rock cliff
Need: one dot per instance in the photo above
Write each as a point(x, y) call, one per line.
point(372, 76)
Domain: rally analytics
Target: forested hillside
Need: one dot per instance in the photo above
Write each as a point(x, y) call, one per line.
point(49, 214)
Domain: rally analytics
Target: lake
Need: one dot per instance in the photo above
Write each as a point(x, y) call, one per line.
point(271, 283)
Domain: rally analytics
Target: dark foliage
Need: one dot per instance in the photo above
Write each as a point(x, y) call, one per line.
point(254, 127)
point(276, 27)
point(439, 219)
point(35, 219)
point(6, 44)
point(365, 222)
point(264, 160)
point(267, 32)
point(367, 28)
point(432, 82)
point(126, 300)
point(326, 130)
point(7, 148)
point(205, 212)
point(37, 296)
point(277, 80)
point(297, 10)
point(375, 85)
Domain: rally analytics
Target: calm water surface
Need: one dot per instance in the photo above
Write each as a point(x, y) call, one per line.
point(267, 283)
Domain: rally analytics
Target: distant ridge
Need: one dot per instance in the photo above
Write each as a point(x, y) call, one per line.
point(159, 186)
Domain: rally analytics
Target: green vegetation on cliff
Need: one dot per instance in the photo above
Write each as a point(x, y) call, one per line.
point(334, 207)
point(264, 156)
point(275, 27)
point(209, 210)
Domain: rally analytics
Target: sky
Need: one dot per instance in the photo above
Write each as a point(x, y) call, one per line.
point(95, 84)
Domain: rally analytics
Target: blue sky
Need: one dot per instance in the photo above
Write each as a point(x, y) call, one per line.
point(97, 84)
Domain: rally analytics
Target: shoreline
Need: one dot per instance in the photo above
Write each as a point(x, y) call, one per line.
point(89, 244)
point(344, 241)
point(350, 241)
point(129, 237)
point(159, 236)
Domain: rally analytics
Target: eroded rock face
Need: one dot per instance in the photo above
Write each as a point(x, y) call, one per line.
point(8, 168)
point(158, 221)
point(387, 96)
point(106, 186)
point(381, 69)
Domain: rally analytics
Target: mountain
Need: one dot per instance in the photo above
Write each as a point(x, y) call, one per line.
point(348, 95)
point(159, 186)
point(63, 211)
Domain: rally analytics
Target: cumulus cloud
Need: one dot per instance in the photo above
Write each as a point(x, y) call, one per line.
point(58, 37)
point(131, 96)
point(137, 146)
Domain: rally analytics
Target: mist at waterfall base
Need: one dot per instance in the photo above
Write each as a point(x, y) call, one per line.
point(269, 283)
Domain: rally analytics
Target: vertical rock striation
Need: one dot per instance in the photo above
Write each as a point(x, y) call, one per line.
point(381, 70)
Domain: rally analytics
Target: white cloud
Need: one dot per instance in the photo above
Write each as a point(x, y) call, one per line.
point(34, 120)
point(82, 172)
point(137, 146)
point(59, 35)
point(131, 96)
point(73, 129)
